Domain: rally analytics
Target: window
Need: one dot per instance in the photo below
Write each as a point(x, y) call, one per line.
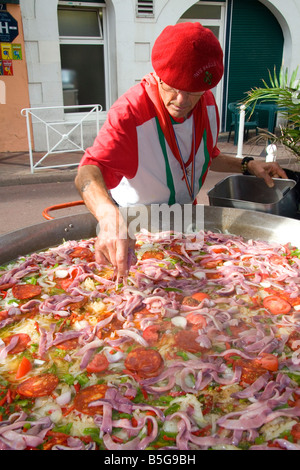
point(144, 8)
point(83, 57)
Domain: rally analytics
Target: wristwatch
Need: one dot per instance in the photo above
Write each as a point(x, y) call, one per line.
point(244, 164)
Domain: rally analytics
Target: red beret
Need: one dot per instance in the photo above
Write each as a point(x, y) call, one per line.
point(188, 57)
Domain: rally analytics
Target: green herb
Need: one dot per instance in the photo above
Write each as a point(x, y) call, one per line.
point(183, 354)
point(94, 434)
point(31, 280)
point(66, 429)
point(172, 409)
point(82, 379)
point(68, 379)
point(172, 289)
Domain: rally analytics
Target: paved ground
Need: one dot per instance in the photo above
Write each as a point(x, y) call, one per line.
point(25, 195)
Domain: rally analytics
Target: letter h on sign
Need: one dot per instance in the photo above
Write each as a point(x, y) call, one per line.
point(4, 29)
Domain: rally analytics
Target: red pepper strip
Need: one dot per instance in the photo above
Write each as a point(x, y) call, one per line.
point(68, 411)
point(149, 427)
point(167, 438)
point(4, 399)
point(134, 422)
point(135, 376)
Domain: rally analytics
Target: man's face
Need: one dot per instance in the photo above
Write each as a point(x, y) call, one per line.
point(177, 102)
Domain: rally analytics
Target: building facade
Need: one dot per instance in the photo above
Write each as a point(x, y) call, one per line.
point(81, 53)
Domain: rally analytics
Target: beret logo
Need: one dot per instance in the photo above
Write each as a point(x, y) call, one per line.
point(204, 68)
point(208, 78)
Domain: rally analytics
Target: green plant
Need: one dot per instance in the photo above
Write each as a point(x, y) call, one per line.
point(285, 92)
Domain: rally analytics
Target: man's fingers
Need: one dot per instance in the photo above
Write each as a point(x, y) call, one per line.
point(268, 180)
point(122, 258)
point(115, 252)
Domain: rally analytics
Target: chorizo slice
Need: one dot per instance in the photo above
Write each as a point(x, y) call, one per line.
point(144, 362)
point(186, 340)
point(68, 345)
point(23, 340)
point(87, 395)
point(26, 291)
point(38, 386)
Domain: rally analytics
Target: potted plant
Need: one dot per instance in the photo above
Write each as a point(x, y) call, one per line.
point(285, 92)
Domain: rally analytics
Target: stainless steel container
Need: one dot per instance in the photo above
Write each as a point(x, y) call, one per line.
point(252, 193)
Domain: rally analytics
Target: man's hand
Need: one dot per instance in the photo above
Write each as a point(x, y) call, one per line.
point(266, 170)
point(113, 244)
point(261, 169)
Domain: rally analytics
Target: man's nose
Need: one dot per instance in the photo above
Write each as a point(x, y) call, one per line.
point(182, 96)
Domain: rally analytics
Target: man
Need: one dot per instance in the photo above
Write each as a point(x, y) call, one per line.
point(160, 139)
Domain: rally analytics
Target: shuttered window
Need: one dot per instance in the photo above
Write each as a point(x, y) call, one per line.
point(145, 8)
point(256, 47)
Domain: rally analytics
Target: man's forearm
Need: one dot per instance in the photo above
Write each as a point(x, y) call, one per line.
point(91, 186)
point(226, 163)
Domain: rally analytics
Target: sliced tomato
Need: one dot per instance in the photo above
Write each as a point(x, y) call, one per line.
point(25, 366)
point(65, 283)
point(23, 340)
point(268, 361)
point(210, 264)
point(219, 249)
point(3, 314)
point(82, 253)
point(153, 254)
point(213, 275)
point(196, 320)
point(276, 305)
point(26, 291)
point(176, 249)
point(38, 386)
point(99, 363)
point(195, 299)
point(277, 259)
point(200, 296)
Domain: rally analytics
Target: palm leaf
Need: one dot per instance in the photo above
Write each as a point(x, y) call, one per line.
point(285, 92)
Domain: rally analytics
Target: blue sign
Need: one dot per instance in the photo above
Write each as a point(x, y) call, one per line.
point(8, 27)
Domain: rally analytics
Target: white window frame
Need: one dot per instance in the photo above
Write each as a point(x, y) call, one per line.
point(90, 40)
